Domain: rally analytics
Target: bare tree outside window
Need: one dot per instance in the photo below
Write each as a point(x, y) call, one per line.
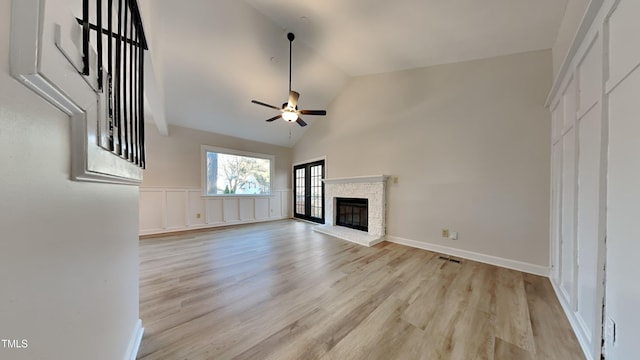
point(229, 174)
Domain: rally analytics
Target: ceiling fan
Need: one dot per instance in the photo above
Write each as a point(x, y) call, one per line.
point(289, 110)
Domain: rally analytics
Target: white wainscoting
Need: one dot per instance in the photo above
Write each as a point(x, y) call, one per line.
point(578, 103)
point(165, 210)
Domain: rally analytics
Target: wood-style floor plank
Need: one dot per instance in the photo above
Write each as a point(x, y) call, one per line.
point(281, 291)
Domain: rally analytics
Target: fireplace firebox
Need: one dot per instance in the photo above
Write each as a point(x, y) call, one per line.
point(352, 213)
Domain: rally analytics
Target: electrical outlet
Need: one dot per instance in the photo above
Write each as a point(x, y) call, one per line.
point(198, 216)
point(445, 233)
point(610, 332)
point(453, 235)
point(395, 179)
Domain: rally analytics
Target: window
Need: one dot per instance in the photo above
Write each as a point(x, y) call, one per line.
point(231, 172)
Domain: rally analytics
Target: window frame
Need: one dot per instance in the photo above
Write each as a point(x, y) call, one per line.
point(204, 149)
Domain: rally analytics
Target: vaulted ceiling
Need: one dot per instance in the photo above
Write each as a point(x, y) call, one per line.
point(214, 56)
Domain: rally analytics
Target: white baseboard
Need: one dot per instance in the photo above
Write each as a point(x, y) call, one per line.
point(470, 255)
point(134, 341)
point(206, 226)
point(574, 322)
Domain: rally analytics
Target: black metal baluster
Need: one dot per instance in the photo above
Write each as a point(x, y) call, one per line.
point(124, 73)
point(124, 81)
point(118, 78)
point(136, 144)
point(131, 149)
point(85, 37)
point(143, 150)
point(99, 40)
point(110, 71)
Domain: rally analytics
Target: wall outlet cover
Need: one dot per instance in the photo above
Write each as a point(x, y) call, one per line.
point(445, 232)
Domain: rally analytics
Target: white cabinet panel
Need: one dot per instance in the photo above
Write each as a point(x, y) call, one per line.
point(176, 209)
point(567, 247)
point(589, 170)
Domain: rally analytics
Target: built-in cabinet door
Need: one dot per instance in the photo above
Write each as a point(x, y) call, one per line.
point(309, 191)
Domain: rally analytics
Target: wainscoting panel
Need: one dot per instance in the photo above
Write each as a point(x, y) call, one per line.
point(231, 210)
point(196, 208)
point(579, 166)
point(176, 209)
point(261, 208)
point(215, 211)
point(275, 206)
point(152, 205)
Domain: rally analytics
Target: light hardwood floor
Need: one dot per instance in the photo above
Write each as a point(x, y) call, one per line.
point(281, 291)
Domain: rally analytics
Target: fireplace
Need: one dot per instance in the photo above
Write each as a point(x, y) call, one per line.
point(352, 213)
point(360, 192)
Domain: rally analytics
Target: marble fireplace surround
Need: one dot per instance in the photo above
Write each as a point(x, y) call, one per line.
point(372, 188)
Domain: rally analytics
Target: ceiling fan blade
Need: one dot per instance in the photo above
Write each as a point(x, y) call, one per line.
point(313, 112)
point(274, 118)
point(263, 104)
point(293, 99)
point(301, 122)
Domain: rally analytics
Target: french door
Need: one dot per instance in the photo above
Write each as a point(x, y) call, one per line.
point(309, 191)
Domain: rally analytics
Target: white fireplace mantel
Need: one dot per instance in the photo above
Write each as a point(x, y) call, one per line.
point(372, 188)
point(357, 179)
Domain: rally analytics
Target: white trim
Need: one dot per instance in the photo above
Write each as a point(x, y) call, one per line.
point(210, 226)
point(581, 33)
point(357, 179)
point(310, 161)
point(134, 341)
point(470, 255)
point(42, 57)
point(573, 321)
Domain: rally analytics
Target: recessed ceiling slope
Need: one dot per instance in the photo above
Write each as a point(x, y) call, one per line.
point(374, 36)
point(214, 56)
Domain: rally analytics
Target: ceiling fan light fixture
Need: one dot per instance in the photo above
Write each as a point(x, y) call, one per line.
point(289, 110)
point(289, 116)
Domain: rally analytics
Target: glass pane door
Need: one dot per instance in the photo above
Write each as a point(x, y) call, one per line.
point(309, 191)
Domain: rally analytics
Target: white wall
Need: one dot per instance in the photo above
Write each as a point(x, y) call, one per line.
point(69, 250)
point(573, 14)
point(468, 142)
point(170, 197)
